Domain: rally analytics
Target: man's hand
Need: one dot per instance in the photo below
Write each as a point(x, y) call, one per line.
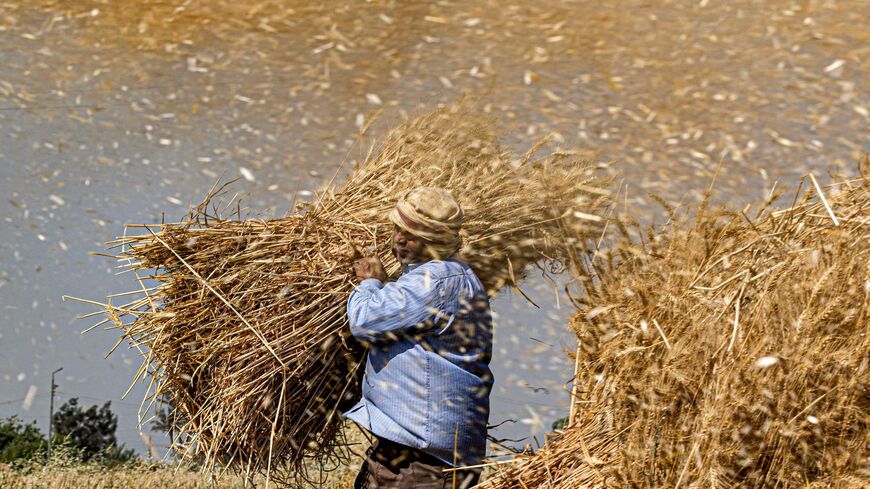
point(370, 267)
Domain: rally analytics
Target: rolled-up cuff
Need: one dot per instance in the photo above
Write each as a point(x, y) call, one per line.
point(370, 284)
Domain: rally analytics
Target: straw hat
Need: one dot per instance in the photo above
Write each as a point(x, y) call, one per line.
point(432, 214)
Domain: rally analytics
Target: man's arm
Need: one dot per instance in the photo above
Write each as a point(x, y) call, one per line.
point(378, 311)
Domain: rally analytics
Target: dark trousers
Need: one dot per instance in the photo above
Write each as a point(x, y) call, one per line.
point(391, 465)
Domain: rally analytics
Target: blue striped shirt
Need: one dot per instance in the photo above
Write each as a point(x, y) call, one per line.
point(427, 378)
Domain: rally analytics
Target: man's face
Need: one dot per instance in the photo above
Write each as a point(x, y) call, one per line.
point(409, 248)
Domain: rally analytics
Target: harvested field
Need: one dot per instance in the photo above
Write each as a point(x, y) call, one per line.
point(121, 478)
point(246, 330)
point(724, 350)
point(152, 476)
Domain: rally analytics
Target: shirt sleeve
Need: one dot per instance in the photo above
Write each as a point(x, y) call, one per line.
point(380, 312)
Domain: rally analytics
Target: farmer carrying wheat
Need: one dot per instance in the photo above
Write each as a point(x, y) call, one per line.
point(425, 394)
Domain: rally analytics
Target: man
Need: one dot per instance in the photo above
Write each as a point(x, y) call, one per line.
point(425, 392)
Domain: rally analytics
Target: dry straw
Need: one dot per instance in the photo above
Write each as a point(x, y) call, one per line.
point(246, 331)
point(724, 351)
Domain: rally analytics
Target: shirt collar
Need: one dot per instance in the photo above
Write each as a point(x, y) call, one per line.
point(410, 268)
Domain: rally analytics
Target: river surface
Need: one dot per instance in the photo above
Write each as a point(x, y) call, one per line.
point(115, 112)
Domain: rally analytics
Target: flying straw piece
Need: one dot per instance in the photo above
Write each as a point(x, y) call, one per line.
point(824, 200)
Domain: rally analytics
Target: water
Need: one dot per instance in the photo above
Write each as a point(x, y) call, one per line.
point(127, 112)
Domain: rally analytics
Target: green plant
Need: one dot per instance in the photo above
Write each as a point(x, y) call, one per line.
point(19, 440)
point(91, 431)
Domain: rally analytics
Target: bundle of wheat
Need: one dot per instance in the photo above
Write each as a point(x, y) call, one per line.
point(246, 330)
point(724, 352)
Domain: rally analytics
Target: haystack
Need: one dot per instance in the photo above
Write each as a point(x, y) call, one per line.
point(724, 351)
point(246, 330)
